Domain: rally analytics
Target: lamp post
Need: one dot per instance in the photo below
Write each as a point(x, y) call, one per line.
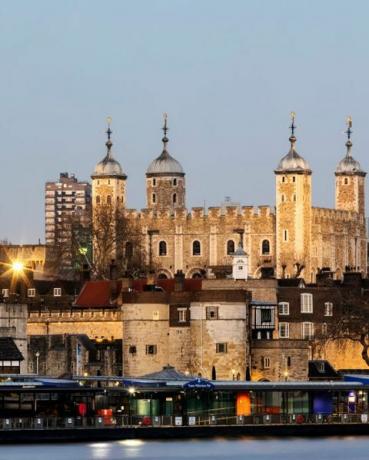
point(37, 354)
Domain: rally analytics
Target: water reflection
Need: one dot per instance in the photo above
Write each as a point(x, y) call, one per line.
point(355, 448)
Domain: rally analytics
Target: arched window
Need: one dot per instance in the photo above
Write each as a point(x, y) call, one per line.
point(129, 250)
point(162, 248)
point(154, 182)
point(174, 198)
point(98, 199)
point(108, 199)
point(153, 198)
point(174, 182)
point(230, 247)
point(346, 181)
point(265, 247)
point(162, 276)
point(196, 248)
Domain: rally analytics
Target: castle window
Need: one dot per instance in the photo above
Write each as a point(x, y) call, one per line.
point(5, 293)
point(285, 235)
point(230, 247)
point(221, 347)
point(154, 182)
point(153, 198)
point(265, 247)
point(306, 303)
point(293, 179)
point(265, 362)
point(108, 181)
point(151, 349)
point(282, 198)
point(346, 180)
point(289, 361)
point(162, 248)
point(174, 198)
point(196, 248)
point(212, 312)
point(132, 349)
point(328, 309)
point(283, 308)
point(174, 182)
point(284, 330)
point(294, 197)
point(129, 249)
point(108, 199)
point(283, 179)
point(98, 199)
point(307, 331)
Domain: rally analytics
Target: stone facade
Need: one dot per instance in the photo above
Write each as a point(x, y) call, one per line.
point(13, 324)
point(294, 238)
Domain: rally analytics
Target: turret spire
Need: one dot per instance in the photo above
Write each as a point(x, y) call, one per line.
point(292, 138)
point(165, 130)
point(349, 132)
point(109, 143)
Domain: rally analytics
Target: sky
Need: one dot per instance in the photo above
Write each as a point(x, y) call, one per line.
point(228, 73)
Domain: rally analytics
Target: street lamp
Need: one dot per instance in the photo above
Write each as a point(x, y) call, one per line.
point(37, 354)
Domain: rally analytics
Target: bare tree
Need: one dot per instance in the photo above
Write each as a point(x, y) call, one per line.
point(350, 323)
point(117, 237)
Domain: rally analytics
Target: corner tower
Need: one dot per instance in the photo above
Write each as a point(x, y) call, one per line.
point(293, 213)
point(350, 180)
point(165, 180)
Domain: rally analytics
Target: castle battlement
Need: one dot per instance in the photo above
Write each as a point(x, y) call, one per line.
point(335, 214)
point(70, 315)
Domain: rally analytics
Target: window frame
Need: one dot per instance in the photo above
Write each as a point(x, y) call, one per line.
point(263, 252)
point(221, 347)
point(310, 336)
point(328, 309)
point(31, 292)
point(193, 248)
point(162, 253)
point(154, 349)
point(182, 315)
point(286, 325)
point(282, 312)
point(266, 362)
point(228, 252)
point(306, 307)
point(57, 292)
point(209, 309)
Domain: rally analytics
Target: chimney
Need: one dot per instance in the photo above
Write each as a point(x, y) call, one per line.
point(179, 279)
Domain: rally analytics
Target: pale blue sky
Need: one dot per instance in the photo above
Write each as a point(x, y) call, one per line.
point(227, 72)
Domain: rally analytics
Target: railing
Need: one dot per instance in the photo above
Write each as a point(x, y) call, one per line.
point(121, 421)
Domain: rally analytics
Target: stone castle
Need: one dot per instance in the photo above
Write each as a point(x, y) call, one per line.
point(294, 239)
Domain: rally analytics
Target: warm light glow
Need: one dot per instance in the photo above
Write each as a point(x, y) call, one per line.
point(131, 390)
point(17, 266)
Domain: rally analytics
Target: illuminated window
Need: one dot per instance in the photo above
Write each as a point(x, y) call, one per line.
point(266, 362)
point(31, 292)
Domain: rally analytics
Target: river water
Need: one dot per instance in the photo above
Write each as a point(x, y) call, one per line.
point(347, 448)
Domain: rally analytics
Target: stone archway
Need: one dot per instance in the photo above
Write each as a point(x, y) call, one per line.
point(164, 274)
point(195, 273)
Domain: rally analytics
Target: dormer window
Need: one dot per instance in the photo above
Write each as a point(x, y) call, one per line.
point(57, 292)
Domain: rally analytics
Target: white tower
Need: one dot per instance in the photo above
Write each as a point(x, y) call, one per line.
point(240, 264)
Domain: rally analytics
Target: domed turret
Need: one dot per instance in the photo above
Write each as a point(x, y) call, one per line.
point(165, 183)
point(108, 166)
point(165, 164)
point(350, 180)
point(293, 162)
point(348, 165)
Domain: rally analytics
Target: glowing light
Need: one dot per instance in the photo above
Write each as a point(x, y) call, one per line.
point(131, 390)
point(17, 266)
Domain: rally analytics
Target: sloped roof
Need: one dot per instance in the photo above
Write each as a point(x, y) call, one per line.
point(9, 350)
point(95, 294)
point(167, 373)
